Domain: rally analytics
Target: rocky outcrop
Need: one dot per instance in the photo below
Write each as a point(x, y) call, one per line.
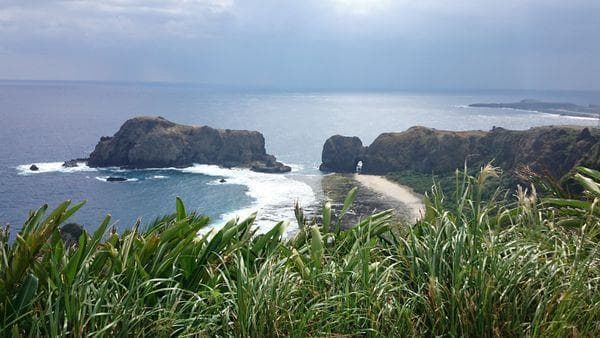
point(341, 154)
point(553, 149)
point(272, 167)
point(116, 179)
point(421, 149)
point(74, 162)
point(154, 142)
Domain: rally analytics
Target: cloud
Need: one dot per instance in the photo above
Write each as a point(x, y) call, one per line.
point(123, 19)
point(313, 43)
point(361, 7)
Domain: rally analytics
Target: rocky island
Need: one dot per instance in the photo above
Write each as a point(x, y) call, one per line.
point(554, 150)
point(560, 108)
point(154, 142)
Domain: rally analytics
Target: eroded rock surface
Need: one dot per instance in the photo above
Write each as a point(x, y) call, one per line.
point(555, 150)
point(154, 142)
point(341, 154)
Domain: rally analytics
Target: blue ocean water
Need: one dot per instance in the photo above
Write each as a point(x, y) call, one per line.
point(48, 122)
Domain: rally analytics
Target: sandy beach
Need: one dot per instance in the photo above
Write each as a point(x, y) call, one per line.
point(394, 191)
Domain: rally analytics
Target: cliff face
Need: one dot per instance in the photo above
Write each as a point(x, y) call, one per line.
point(340, 154)
point(153, 142)
point(555, 150)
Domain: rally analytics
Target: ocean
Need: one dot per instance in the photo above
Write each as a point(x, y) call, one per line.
point(47, 123)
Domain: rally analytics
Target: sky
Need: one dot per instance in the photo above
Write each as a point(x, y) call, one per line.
point(335, 44)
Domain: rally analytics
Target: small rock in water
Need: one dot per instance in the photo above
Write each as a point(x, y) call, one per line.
point(273, 167)
point(222, 180)
point(34, 167)
point(116, 179)
point(70, 164)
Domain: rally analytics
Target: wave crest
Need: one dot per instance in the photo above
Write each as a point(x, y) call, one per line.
point(274, 195)
point(48, 167)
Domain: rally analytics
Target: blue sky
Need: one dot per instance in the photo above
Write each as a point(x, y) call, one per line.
point(384, 44)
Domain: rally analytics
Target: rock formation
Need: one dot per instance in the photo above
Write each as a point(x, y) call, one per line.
point(552, 149)
point(70, 164)
point(154, 142)
point(116, 179)
point(341, 154)
point(74, 162)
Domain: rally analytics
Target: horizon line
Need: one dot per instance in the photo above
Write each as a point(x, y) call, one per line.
point(295, 88)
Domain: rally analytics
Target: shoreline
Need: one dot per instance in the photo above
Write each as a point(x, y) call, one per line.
point(394, 191)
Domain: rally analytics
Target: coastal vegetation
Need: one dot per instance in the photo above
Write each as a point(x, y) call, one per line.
point(421, 183)
point(514, 264)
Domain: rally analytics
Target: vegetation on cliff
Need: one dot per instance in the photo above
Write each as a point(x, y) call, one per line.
point(553, 150)
point(499, 266)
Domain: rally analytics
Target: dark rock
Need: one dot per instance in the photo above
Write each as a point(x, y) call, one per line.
point(422, 149)
point(153, 142)
point(554, 150)
point(34, 167)
point(70, 234)
point(341, 154)
point(116, 179)
point(222, 180)
point(70, 164)
point(270, 168)
point(74, 162)
point(228, 165)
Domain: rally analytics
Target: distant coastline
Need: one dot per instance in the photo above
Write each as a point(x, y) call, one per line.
point(558, 108)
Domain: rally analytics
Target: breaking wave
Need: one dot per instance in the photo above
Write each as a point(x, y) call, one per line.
point(273, 195)
point(48, 167)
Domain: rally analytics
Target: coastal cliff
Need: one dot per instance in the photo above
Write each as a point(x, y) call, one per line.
point(340, 154)
point(552, 149)
point(154, 142)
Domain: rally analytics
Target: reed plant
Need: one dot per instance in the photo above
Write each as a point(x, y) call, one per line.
point(484, 266)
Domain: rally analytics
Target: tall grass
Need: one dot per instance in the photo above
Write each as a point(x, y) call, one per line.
point(501, 266)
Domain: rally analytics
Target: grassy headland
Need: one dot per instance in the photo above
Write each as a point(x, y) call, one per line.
point(497, 266)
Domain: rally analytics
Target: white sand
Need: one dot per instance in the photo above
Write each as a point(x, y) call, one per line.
point(395, 191)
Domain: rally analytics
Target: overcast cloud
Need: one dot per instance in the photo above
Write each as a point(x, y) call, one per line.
point(386, 44)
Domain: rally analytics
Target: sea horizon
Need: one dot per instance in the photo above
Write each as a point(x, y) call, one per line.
point(278, 88)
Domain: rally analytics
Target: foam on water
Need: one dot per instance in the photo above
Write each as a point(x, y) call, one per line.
point(48, 167)
point(296, 167)
point(586, 118)
point(274, 195)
